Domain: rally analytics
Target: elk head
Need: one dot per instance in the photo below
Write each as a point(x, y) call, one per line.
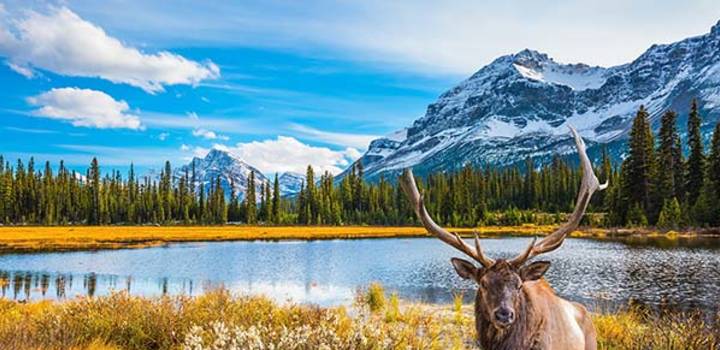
point(500, 283)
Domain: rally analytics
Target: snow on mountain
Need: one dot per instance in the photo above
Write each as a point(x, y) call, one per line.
point(290, 183)
point(539, 67)
point(519, 106)
point(230, 169)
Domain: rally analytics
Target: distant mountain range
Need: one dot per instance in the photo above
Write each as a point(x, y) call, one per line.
point(234, 171)
point(518, 106)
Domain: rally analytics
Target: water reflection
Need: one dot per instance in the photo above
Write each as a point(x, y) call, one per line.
point(598, 274)
point(25, 286)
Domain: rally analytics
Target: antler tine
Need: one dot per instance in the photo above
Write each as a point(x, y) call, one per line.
point(588, 186)
point(407, 182)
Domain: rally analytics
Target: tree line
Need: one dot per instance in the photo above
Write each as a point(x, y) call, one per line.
point(654, 185)
point(469, 197)
point(657, 185)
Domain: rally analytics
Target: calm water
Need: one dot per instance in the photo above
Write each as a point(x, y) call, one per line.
point(330, 272)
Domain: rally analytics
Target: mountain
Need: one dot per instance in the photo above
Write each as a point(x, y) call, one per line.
point(518, 106)
point(290, 183)
point(230, 168)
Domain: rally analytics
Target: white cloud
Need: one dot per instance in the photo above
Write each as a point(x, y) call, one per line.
point(335, 138)
point(163, 136)
point(353, 153)
point(84, 107)
point(208, 134)
point(191, 152)
point(432, 37)
point(286, 154)
point(22, 70)
point(62, 42)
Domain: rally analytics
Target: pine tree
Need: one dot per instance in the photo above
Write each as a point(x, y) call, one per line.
point(606, 174)
point(94, 188)
point(276, 201)
point(310, 196)
point(640, 166)
point(234, 208)
point(669, 180)
point(636, 216)
point(268, 203)
point(670, 215)
point(713, 177)
point(263, 204)
point(250, 204)
point(696, 159)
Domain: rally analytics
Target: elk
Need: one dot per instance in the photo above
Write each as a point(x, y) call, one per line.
point(515, 308)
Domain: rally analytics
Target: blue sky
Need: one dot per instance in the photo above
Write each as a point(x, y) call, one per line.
point(280, 83)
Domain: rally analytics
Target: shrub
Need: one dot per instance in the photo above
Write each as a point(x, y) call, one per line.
point(375, 297)
point(670, 215)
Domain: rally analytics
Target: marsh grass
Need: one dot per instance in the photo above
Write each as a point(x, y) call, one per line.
point(219, 320)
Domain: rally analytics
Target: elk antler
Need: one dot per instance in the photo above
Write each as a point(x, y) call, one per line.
point(407, 182)
point(588, 186)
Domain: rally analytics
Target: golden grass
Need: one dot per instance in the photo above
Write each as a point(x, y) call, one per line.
point(217, 320)
point(66, 238)
point(62, 238)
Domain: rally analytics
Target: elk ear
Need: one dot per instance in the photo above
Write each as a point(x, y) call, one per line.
point(464, 268)
point(534, 271)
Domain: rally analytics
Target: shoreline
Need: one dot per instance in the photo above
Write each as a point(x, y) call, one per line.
point(37, 239)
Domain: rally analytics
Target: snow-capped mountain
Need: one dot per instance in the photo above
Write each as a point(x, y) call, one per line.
point(519, 105)
point(290, 183)
point(230, 169)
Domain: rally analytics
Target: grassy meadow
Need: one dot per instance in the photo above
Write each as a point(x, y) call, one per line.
point(15, 239)
point(218, 320)
point(62, 238)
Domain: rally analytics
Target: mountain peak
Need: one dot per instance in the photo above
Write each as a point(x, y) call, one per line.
point(229, 169)
point(218, 153)
point(715, 29)
point(532, 55)
point(524, 101)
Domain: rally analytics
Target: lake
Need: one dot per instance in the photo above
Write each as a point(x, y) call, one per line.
point(596, 273)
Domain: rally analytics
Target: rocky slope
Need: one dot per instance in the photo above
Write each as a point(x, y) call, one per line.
point(518, 106)
point(290, 183)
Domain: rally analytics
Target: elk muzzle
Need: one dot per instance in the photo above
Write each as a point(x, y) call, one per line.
point(504, 316)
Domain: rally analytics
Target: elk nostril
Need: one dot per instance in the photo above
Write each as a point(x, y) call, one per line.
point(504, 315)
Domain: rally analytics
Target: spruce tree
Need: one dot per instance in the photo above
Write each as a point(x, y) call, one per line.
point(268, 203)
point(669, 180)
point(640, 166)
point(713, 176)
point(696, 158)
point(310, 196)
point(276, 200)
point(250, 204)
point(94, 189)
point(670, 215)
point(262, 215)
point(234, 208)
